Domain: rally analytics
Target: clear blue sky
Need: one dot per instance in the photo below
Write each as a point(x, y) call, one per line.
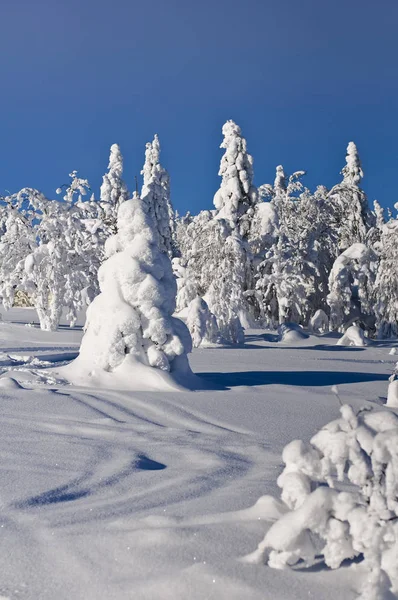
point(301, 77)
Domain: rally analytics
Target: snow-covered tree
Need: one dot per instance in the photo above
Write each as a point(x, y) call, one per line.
point(225, 294)
point(156, 197)
point(386, 286)
point(318, 516)
point(202, 324)
point(351, 215)
point(16, 243)
point(186, 284)
point(237, 196)
point(352, 286)
point(113, 189)
point(129, 325)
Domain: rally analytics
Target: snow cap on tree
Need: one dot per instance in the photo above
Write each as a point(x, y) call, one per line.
point(237, 196)
point(352, 172)
point(156, 196)
point(280, 181)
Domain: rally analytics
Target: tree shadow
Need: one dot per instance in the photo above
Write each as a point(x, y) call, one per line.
point(293, 378)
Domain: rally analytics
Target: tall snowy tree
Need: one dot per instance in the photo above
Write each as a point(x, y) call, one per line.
point(156, 197)
point(237, 196)
point(113, 189)
point(351, 215)
point(130, 326)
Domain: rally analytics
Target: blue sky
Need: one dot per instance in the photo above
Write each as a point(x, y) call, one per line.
point(301, 77)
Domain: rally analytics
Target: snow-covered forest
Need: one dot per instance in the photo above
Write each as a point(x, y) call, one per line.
point(259, 291)
point(263, 256)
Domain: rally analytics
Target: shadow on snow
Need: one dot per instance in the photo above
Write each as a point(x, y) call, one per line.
point(294, 378)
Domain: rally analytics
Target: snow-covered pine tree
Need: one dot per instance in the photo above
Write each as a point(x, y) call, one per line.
point(113, 189)
point(186, 284)
point(216, 263)
point(352, 287)
point(351, 215)
point(386, 286)
point(156, 197)
point(130, 327)
point(237, 196)
point(17, 241)
point(202, 324)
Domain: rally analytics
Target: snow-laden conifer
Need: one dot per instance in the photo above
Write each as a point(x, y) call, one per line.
point(352, 285)
point(113, 189)
point(386, 286)
point(351, 217)
point(129, 326)
point(202, 324)
point(237, 196)
point(156, 196)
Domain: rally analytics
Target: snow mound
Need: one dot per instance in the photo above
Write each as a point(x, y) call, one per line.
point(291, 333)
point(354, 336)
point(8, 383)
point(392, 394)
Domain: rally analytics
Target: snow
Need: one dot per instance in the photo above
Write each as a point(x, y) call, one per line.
point(131, 339)
point(353, 336)
point(157, 495)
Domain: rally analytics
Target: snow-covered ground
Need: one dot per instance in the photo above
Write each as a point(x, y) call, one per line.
point(152, 495)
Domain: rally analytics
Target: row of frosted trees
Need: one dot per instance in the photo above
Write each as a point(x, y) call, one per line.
point(263, 256)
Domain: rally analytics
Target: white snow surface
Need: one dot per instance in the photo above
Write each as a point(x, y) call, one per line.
point(157, 495)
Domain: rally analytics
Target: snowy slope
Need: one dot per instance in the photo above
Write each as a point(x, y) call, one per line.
point(149, 495)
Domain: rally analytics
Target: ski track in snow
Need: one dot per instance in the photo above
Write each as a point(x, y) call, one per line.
point(148, 495)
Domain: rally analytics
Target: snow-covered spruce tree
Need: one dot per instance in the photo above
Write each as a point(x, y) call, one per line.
point(237, 197)
point(156, 197)
point(235, 203)
point(202, 324)
point(282, 292)
point(217, 264)
point(321, 515)
point(186, 284)
point(386, 286)
point(130, 334)
point(113, 189)
point(17, 241)
point(351, 217)
point(225, 294)
point(292, 275)
point(352, 287)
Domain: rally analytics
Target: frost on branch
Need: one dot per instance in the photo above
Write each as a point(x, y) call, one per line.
point(339, 521)
point(129, 326)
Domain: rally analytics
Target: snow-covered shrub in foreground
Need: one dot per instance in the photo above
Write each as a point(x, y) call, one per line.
point(129, 326)
point(202, 324)
point(359, 519)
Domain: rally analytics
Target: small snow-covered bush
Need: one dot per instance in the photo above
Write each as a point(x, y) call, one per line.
point(202, 324)
point(354, 336)
point(319, 322)
point(341, 496)
point(291, 333)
